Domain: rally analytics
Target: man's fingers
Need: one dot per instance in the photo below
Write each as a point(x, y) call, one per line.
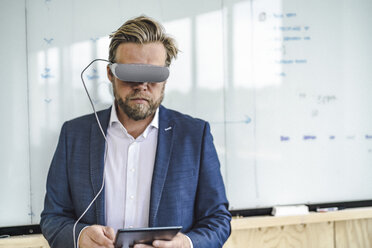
point(178, 241)
point(164, 244)
point(109, 233)
point(100, 238)
point(95, 237)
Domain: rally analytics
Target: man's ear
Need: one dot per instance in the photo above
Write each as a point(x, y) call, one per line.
point(110, 75)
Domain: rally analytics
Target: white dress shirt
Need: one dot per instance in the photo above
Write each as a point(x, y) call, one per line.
point(128, 173)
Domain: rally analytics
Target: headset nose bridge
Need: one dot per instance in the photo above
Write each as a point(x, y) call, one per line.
point(142, 85)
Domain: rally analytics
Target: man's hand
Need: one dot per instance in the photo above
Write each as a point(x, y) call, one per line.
point(179, 241)
point(97, 236)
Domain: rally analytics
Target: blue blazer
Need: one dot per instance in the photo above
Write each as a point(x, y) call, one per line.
point(187, 188)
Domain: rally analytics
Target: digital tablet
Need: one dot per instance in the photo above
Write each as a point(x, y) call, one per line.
point(127, 238)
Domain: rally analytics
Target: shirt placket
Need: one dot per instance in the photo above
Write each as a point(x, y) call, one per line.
point(132, 182)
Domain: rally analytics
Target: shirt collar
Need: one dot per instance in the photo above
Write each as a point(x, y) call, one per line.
point(113, 116)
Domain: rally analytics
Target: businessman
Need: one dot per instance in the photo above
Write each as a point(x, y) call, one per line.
point(160, 166)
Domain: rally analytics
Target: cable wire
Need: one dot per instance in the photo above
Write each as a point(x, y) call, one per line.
point(106, 147)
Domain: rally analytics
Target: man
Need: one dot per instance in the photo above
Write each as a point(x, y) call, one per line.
point(160, 167)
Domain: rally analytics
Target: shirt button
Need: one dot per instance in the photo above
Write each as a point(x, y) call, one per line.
point(130, 226)
point(132, 170)
point(132, 197)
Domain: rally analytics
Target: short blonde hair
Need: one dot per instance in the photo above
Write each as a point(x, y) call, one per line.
point(142, 30)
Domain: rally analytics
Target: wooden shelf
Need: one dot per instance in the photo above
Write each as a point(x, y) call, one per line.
point(239, 223)
point(29, 241)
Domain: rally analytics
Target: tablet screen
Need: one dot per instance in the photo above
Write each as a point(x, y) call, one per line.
point(127, 238)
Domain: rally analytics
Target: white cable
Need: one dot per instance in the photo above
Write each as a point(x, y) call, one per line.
point(90, 99)
point(106, 147)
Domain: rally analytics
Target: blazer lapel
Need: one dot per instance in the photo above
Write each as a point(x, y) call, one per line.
point(164, 149)
point(97, 153)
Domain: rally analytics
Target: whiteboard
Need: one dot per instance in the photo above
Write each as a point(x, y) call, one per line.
point(14, 145)
point(308, 95)
point(285, 85)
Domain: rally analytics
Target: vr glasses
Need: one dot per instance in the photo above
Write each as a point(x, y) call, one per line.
point(140, 72)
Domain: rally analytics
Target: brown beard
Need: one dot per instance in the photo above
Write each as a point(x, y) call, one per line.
point(138, 111)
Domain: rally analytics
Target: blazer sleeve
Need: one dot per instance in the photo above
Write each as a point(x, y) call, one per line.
point(58, 216)
point(212, 227)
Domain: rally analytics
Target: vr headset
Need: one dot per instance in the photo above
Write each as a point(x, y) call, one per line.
point(140, 72)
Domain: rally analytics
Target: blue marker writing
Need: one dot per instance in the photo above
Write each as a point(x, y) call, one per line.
point(301, 61)
point(289, 15)
point(285, 61)
point(287, 38)
point(284, 138)
point(308, 137)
